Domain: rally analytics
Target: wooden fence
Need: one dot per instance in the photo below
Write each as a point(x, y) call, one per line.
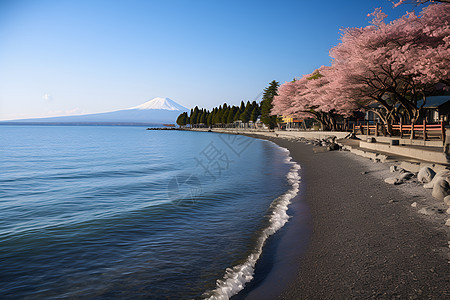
point(423, 131)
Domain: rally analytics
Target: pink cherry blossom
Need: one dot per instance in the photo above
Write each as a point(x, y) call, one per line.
point(392, 64)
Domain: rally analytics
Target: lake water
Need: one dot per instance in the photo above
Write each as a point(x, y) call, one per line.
point(108, 212)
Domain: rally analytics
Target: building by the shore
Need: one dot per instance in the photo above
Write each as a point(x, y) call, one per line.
point(290, 122)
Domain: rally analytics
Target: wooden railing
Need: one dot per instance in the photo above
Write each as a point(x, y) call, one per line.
point(423, 131)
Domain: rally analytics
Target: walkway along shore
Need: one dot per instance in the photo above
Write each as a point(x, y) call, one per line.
point(368, 239)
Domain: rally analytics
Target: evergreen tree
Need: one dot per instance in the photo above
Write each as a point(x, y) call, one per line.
point(192, 116)
point(254, 115)
point(218, 117)
point(204, 116)
point(185, 119)
point(266, 105)
point(245, 115)
point(225, 116)
point(196, 116)
point(242, 107)
point(231, 114)
point(236, 113)
point(181, 120)
point(209, 119)
point(212, 116)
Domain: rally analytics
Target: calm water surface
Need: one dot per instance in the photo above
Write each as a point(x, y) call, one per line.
point(106, 212)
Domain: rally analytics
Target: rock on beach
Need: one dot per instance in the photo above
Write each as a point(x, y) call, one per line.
point(441, 175)
point(440, 189)
point(425, 175)
point(393, 180)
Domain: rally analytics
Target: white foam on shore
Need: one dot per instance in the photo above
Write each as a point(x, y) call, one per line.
point(235, 278)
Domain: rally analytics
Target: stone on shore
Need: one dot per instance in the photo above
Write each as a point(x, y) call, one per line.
point(333, 146)
point(441, 175)
point(447, 200)
point(401, 171)
point(406, 176)
point(440, 189)
point(393, 169)
point(393, 180)
point(428, 211)
point(426, 175)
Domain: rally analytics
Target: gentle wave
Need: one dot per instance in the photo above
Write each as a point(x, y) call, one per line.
point(237, 277)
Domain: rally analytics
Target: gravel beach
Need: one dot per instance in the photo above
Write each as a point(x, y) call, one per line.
point(365, 239)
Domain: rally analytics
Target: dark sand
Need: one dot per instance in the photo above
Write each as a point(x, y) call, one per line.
point(356, 237)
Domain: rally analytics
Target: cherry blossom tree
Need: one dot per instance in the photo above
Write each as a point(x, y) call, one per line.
point(396, 64)
point(316, 96)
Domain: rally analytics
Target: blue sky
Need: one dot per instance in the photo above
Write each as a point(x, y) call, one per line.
point(61, 57)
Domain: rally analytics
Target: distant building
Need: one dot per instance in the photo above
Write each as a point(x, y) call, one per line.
point(289, 122)
point(436, 109)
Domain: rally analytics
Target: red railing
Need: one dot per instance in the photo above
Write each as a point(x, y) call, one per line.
point(424, 131)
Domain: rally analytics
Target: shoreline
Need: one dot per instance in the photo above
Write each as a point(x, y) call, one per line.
point(364, 242)
point(242, 275)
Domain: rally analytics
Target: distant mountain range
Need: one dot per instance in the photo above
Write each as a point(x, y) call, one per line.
point(154, 112)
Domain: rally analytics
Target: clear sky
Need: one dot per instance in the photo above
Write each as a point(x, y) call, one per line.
point(60, 57)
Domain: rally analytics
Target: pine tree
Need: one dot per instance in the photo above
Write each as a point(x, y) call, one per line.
point(196, 116)
point(225, 116)
point(218, 116)
point(254, 115)
point(266, 105)
point(203, 118)
point(193, 115)
point(232, 112)
point(209, 119)
point(212, 116)
point(237, 113)
point(242, 107)
point(181, 120)
point(245, 115)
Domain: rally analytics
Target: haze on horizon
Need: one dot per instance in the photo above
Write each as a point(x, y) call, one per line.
point(75, 57)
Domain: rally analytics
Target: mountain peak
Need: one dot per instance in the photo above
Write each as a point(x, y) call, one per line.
point(161, 103)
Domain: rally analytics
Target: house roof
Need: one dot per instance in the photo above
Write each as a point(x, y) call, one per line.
point(434, 101)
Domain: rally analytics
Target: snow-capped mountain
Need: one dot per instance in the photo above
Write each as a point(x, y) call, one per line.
point(155, 112)
point(161, 103)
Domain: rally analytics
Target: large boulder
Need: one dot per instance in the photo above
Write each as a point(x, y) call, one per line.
point(426, 175)
point(440, 189)
point(441, 175)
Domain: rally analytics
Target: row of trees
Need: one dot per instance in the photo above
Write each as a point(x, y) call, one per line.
point(393, 65)
point(222, 115)
point(226, 114)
